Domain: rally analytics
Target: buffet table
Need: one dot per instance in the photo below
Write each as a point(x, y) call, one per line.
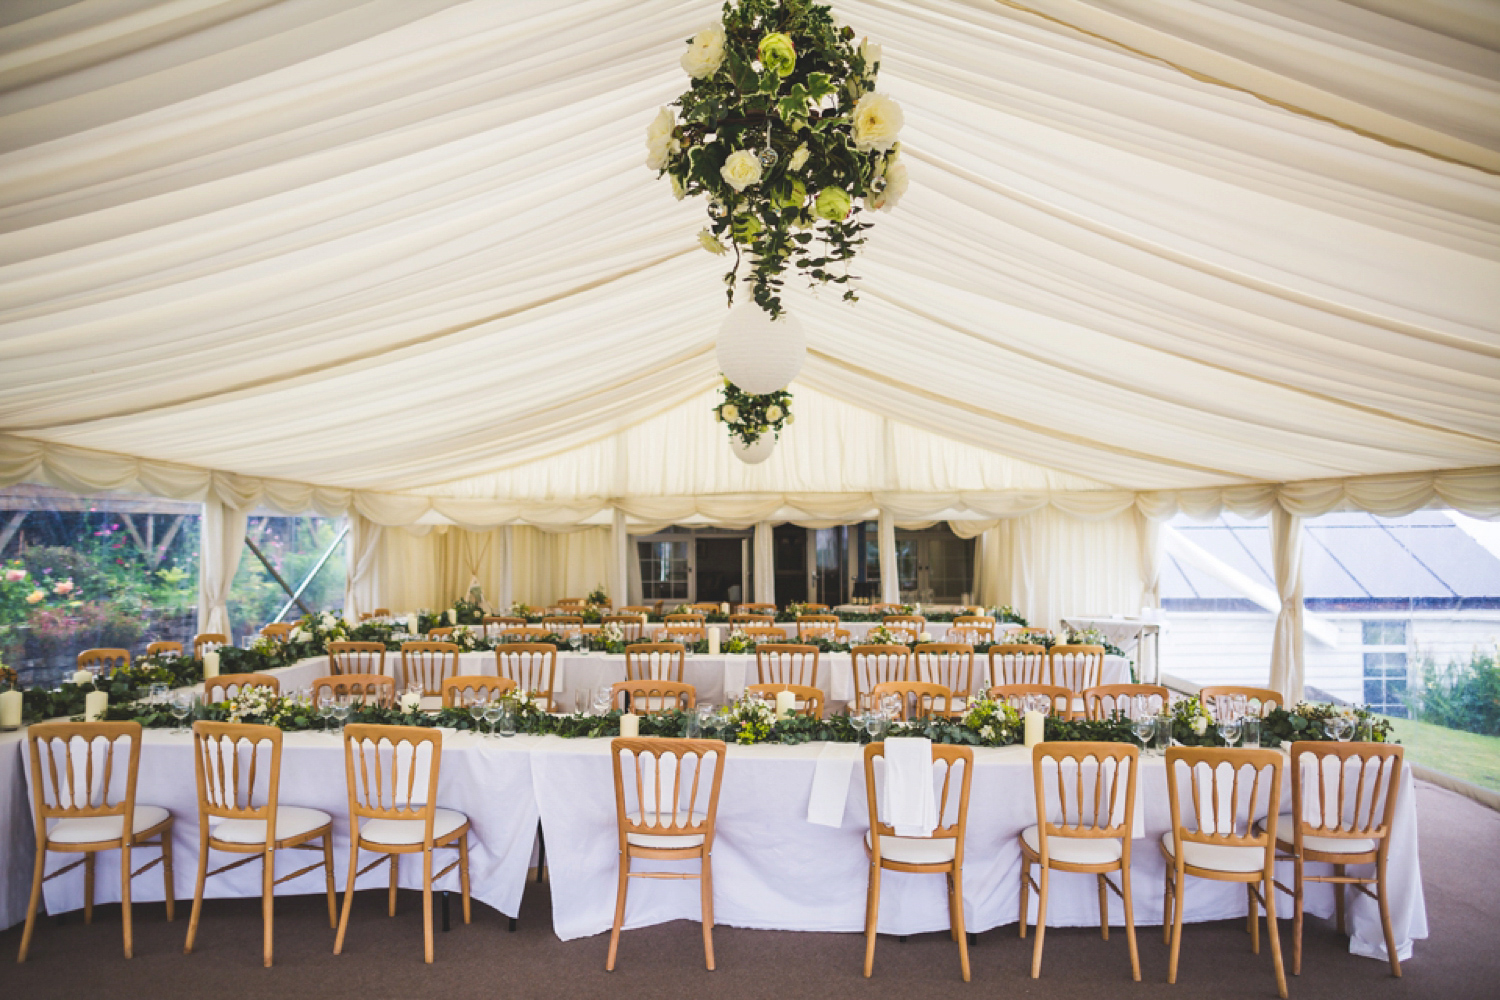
point(773, 868)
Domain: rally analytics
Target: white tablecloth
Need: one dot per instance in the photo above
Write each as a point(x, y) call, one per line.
point(17, 839)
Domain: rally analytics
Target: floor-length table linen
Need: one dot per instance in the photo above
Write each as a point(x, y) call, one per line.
point(18, 846)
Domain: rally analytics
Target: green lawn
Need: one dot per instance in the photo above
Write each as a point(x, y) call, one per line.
point(1469, 756)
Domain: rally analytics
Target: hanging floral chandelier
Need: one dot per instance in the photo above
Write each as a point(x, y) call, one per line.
point(783, 131)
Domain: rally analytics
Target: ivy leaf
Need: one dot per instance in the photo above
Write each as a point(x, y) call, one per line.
point(819, 86)
point(793, 107)
point(741, 72)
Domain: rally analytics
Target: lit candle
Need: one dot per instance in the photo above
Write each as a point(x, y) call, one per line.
point(713, 642)
point(10, 710)
point(630, 725)
point(210, 664)
point(82, 677)
point(786, 702)
point(1035, 728)
point(94, 704)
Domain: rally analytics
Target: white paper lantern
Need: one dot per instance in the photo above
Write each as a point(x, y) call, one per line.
point(758, 355)
point(753, 454)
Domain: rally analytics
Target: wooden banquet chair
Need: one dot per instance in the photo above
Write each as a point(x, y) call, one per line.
point(226, 757)
point(441, 633)
point(685, 634)
point(1059, 699)
point(280, 631)
point(563, 624)
point(950, 664)
point(377, 689)
point(786, 663)
point(809, 700)
point(427, 663)
point(877, 664)
point(637, 609)
point(632, 627)
point(813, 607)
point(457, 689)
point(910, 626)
point(164, 648)
point(655, 661)
point(382, 612)
point(747, 618)
point(1361, 782)
point(103, 661)
point(227, 686)
point(658, 822)
point(203, 642)
point(940, 853)
point(756, 608)
point(685, 618)
point(495, 624)
point(393, 811)
point(1106, 700)
point(765, 633)
point(530, 634)
point(1226, 843)
point(919, 699)
point(1075, 667)
point(1018, 663)
point(817, 625)
point(647, 697)
point(356, 657)
point(571, 602)
point(704, 607)
point(972, 629)
point(533, 667)
point(1093, 837)
point(80, 787)
point(1269, 698)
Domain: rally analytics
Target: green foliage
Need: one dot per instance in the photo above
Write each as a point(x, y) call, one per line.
point(1461, 695)
point(748, 415)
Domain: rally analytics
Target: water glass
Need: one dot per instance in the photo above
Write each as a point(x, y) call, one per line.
point(1252, 731)
point(1144, 726)
point(1163, 734)
point(182, 707)
point(492, 713)
point(603, 695)
point(1229, 731)
point(507, 722)
point(477, 703)
point(157, 694)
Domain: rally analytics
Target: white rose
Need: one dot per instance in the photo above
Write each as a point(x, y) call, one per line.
point(678, 191)
point(876, 121)
point(705, 53)
point(710, 242)
point(730, 411)
point(661, 144)
point(988, 732)
point(741, 170)
point(799, 157)
point(773, 413)
point(327, 619)
point(1200, 724)
point(870, 52)
point(896, 183)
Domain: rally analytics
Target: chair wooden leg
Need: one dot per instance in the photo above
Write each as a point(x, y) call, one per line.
point(426, 904)
point(395, 871)
point(1274, 933)
point(706, 887)
point(1385, 917)
point(125, 900)
point(1025, 892)
point(169, 883)
point(872, 918)
point(958, 922)
point(1041, 924)
point(614, 934)
point(952, 922)
point(1166, 907)
point(88, 887)
point(197, 911)
point(1129, 904)
point(1297, 887)
point(267, 896)
point(463, 874)
point(1103, 907)
point(1338, 899)
point(1178, 878)
point(1253, 918)
point(338, 940)
point(333, 905)
point(38, 871)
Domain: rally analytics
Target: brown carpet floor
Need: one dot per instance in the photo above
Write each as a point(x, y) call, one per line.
point(383, 957)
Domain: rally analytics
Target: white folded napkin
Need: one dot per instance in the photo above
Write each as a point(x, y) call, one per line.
point(830, 787)
point(910, 802)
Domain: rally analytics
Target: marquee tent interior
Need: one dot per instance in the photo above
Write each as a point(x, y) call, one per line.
point(402, 259)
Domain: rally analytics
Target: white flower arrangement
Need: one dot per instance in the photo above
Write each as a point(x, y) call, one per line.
point(612, 633)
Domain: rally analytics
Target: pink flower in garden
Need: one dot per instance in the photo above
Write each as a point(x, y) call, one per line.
point(35, 596)
point(15, 575)
point(63, 587)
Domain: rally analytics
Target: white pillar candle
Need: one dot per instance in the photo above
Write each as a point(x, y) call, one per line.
point(630, 725)
point(210, 664)
point(1035, 728)
point(724, 608)
point(786, 702)
point(451, 615)
point(94, 704)
point(82, 677)
point(10, 709)
point(713, 642)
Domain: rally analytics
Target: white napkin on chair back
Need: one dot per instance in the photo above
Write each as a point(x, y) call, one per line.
point(910, 802)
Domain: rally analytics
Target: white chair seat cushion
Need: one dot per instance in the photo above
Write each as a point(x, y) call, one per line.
point(291, 821)
point(1218, 857)
point(94, 829)
point(666, 841)
point(917, 850)
point(1327, 845)
point(409, 831)
point(1077, 850)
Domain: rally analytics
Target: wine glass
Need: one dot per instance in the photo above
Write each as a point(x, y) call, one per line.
point(492, 712)
point(1335, 727)
point(1144, 726)
point(1229, 730)
point(182, 707)
point(603, 695)
point(575, 641)
point(325, 706)
point(342, 706)
point(477, 702)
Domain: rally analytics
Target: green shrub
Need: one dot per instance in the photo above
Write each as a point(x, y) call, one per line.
point(1461, 695)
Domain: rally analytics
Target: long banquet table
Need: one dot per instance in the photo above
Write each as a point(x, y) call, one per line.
point(772, 867)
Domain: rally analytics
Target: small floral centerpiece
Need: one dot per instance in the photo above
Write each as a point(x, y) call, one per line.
point(752, 720)
point(882, 636)
point(996, 723)
point(612, 638)
point(748, 416)
point(1006, 615)
point(782, 129)
point(738, 642)
point(597, 597)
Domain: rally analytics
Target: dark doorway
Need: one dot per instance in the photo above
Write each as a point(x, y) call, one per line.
point(720, 569)
point(791, 564)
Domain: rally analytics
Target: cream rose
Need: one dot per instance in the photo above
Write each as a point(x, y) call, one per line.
point(896, 183)
point(741, 170)
point(710, 242)
point(773, 413)
point(799, 157)
point(877, 120)
point(705, 53)
point(730, 412)
point(661, 143)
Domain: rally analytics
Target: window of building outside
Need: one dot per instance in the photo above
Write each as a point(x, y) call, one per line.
point(114, 570)
point(307, 554)
point(1385, 667)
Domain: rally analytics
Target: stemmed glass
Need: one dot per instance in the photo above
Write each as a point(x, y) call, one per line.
point(493, 709)
point(325, 707)
point(157, 694)
point(477, 703)
point(182, 707)
point(1337, 727)
point(602, 697)
point(1144, 724)
point(342, 706)
point(575, 641)
point(1229, 729)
